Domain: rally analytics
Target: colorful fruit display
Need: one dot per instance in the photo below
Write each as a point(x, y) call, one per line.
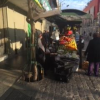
point(68, 42)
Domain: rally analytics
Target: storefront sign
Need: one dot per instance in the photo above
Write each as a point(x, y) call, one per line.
point(37, 1)
point(45, 4)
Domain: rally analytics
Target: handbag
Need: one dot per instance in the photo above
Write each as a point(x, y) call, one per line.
point(85, 65)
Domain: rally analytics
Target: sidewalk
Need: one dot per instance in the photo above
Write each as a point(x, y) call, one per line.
point(10, 72)
point(80, 87)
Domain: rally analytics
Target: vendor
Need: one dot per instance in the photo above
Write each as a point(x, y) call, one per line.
point(55, 37)
point(40, 51)
point(77, 36)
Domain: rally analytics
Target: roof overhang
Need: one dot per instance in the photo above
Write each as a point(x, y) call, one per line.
point(69, 15)
point(36, 11)
point(22, 4)
point(48, 14)
point(74, 15)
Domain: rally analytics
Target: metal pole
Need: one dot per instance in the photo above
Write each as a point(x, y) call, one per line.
point(80, 51)
point(4, 30)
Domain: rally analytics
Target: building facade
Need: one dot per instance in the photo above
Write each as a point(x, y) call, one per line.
point(92, 25)
point(93, 8)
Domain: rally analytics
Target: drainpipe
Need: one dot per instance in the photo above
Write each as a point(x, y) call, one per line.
point(15, 39)
point(8, 36)
point(80, 51)
point(4, 31)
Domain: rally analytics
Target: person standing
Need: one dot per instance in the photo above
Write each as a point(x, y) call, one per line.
point(57, 33)
point(55, 38)
point(46, 39)
point(40, 51)
point(93, 54)
point(77, 36)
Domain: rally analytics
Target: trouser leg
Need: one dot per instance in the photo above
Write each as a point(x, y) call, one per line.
point(90, 68)
point(57, 45)
point(96, 68)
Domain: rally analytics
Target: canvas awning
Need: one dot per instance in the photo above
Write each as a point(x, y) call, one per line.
point(69, 15)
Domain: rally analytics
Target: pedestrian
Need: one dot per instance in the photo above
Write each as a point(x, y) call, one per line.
point(55, 38)
point(90, 36)
point(57, 33)
point(93, 54)
point(77, 36)
point(40, 51)
point(46, 38)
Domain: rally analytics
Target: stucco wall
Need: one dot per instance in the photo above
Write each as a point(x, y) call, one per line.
point(17, 29)
point(1, 26)
point(38, 26)
point(45, 25)
point(3, 30)
point(93, 4)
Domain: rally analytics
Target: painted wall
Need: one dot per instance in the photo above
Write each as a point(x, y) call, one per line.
point(45, 25)
point(38, 26)
point(17, 30)
point(13, 27)
point(93, 8)
point(1, 33)
point(3, 30)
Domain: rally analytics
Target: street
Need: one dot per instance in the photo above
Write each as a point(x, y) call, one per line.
point(80, 87)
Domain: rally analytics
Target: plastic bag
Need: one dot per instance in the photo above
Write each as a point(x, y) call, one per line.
point(71, 45)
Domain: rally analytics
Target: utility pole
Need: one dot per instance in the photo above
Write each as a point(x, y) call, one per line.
point(31, 69)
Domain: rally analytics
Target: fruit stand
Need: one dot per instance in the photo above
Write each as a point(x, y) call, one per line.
point(66, 60)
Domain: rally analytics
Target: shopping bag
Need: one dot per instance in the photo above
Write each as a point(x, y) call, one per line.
point(85, 65)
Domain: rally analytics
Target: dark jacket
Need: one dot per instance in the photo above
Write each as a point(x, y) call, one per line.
point(46, 37)
point(93, 50)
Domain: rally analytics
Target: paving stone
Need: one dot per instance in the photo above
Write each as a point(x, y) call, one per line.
point(81, 87)
point(84, 98)
point(3, 89)
point(90, 98)
point(96, 97)
point(17, 95)
point(62, 98)
point(76, 98)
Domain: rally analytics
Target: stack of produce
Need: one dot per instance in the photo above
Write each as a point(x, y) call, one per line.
point(68, 42)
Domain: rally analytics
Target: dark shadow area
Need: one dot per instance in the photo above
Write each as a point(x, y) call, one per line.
point(16, 62)
point(14, 45)
point(24, 91)
point(11, 92)
point(55, 71)
point(13, 39)
point(45, 89)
